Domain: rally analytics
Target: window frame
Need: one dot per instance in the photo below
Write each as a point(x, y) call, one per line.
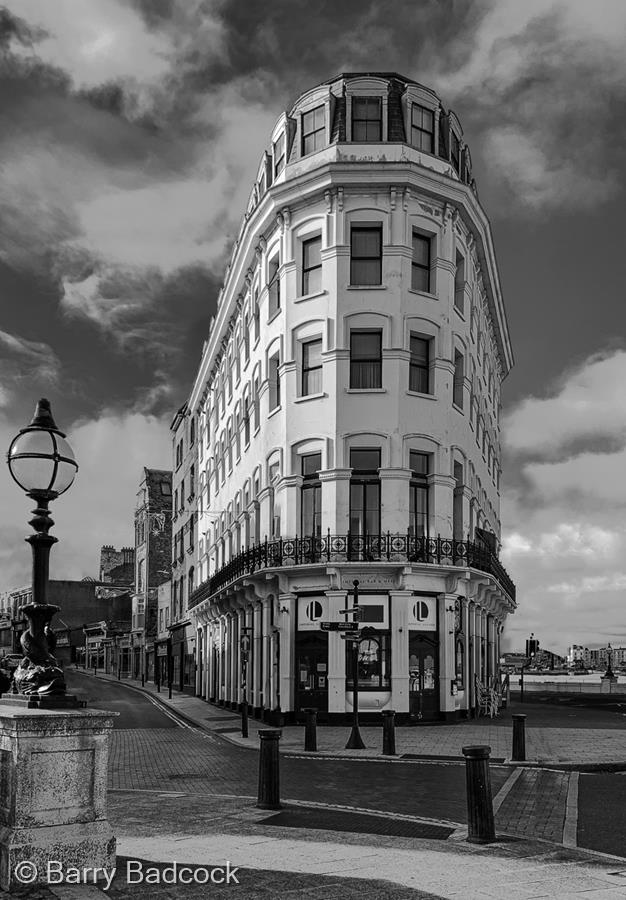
point(419, 267)
point(279, 161)
point(419, 367)
point(458, 382)
point(373, 360)
point(314, 132)
point(360, 120)
point(354, 259)
point(307, 270)
point(421, 131)
point(307, 369)
point(419, 487)
point(311, 483)
point(383, 638)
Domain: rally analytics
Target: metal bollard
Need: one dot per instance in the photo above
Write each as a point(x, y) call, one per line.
point(95, 670)
point(389, 732)
point(480, 824)
point(119, 672)
point(143, 680)
point(269, 770)
point(519, 737)
point(310, 729)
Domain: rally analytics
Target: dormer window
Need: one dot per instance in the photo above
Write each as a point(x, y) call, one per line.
point(279, 155)
point(313, 130)
point(366, 119)
point(455, 151)
point(422, 128)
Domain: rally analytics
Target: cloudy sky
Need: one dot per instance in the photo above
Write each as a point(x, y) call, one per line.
point(130, 132)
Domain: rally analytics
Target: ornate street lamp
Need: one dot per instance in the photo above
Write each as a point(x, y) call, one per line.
point(609, 656)
point(42, 463)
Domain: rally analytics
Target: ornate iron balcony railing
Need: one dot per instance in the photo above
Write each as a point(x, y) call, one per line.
point(355, 548)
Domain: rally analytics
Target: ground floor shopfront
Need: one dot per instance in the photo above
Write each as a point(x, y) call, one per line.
point(427, 636)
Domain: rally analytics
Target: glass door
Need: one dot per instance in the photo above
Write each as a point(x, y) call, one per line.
point(312, 671)
point(423, 680)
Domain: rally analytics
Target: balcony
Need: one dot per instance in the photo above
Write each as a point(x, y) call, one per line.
point(398, 548)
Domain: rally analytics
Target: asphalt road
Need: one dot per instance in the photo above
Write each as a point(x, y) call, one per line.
point(136, 710)
point(602, 812)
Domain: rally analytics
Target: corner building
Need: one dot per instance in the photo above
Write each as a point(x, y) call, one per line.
point(348, 417)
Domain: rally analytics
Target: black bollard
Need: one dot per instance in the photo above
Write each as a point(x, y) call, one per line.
point(95, 670)
point(119, 672)
point(480, 824)
point(269, 772)
point(310, 729)
point(143, 680)
point(389, 732)
point(519, 737)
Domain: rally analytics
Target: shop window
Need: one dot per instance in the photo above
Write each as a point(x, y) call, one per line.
point(423, 128)
point(419, 365)
point(313, 130)
point(420, 263)
point(312, 367)
point(366, 255)
point(367, 121)
point(459, 657)
point(418, 493)
point(312, 265)
point(366, 362)
point(374, 663)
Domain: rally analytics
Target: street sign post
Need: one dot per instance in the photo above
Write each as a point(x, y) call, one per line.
point(356, 611)
point(337, 626)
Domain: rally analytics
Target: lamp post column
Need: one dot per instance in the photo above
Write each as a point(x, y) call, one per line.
point(355, 741)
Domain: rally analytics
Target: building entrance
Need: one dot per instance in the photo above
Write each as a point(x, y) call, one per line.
point(423, 681)
point(312, 671)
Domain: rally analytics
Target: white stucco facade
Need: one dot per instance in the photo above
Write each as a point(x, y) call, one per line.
point(347, 408)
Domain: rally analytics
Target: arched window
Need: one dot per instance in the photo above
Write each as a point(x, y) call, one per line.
point(459, 655)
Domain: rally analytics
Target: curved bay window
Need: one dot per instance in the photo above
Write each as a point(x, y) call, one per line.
point(364, 498)
point(374, 663)
point(418, 496)
point(311, 511)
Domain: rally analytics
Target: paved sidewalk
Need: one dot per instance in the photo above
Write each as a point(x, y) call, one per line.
point(558, 744)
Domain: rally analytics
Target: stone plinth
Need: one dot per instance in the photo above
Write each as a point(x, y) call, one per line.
point(53, 781)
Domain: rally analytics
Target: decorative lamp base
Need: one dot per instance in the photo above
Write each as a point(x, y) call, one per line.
point(355, 741)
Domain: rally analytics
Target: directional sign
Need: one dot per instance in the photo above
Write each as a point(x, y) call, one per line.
point(350, 636)
point(356, 611)
point(336, 626)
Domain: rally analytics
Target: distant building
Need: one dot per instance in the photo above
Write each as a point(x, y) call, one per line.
point(153, 539)
point(162, 644)
point(184, 525)
point(79, 604)
point(116, 567)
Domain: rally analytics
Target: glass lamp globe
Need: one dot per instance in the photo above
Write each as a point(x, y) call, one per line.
point(40, 459)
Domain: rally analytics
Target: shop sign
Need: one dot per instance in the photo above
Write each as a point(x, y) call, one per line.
point(311, 611)
point(423, 613)
point(162, 650)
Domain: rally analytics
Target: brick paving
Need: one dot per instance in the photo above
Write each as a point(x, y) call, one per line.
point(536, 805)
point(550, 737)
